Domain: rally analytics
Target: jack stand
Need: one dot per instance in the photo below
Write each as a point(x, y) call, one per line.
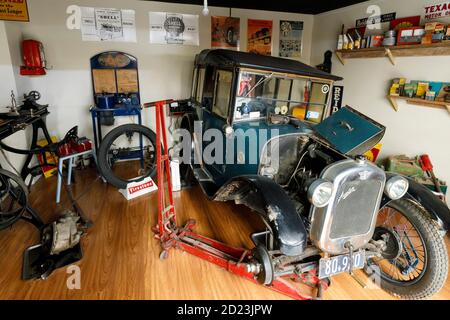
point(235, 260)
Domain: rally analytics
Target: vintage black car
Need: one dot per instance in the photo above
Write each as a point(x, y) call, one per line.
point(324, 204)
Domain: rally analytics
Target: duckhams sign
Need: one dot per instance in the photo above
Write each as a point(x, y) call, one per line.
point(437, 11)
point(14, 10)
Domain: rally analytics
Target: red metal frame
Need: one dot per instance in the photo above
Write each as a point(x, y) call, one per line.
point(171, 236)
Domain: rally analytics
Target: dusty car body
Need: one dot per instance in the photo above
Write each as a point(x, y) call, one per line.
point(320, 199)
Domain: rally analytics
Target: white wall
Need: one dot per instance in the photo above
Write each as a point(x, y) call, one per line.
point(165, 70)
point(413, 130)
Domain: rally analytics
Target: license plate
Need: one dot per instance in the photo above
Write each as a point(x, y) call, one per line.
point(331, 266)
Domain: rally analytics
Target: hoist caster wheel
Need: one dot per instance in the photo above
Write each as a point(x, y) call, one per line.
point(266, 275)
point(164, 255)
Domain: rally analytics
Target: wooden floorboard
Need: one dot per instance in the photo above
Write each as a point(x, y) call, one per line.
point(121, 258)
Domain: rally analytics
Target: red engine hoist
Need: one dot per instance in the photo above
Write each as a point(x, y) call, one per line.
point(236, 260)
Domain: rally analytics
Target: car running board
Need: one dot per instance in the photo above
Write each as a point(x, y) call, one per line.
point(202, 174)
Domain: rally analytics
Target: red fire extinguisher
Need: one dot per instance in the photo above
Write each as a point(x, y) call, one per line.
point(33, 58)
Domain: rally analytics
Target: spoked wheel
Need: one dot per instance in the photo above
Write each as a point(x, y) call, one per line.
point(13, 198)
point(127, 154)
point(414, 264)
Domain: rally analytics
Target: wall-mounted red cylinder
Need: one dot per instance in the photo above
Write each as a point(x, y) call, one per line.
point(33, 58)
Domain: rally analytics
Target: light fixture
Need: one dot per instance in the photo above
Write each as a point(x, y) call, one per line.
point(205, 10)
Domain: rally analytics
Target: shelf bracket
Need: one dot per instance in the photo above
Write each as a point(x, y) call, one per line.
point(341, 59)
point(448, 107)
point(390, 56)
point(393, 103)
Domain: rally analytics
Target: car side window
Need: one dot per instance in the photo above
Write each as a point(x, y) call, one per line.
point(208, 89)
point(194, 84)
point(200, 83)
point(223, 90)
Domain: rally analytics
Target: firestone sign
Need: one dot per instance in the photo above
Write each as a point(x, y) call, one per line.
point(436, 11)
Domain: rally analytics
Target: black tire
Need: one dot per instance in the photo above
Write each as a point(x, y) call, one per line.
point(436, 267)
point(8, 218)
point(104, 167)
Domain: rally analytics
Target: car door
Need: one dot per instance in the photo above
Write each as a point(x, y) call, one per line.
point(215, 118)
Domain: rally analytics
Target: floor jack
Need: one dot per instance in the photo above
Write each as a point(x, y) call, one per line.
point(236, 260)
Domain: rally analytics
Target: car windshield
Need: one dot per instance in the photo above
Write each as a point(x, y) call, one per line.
point(259, 94)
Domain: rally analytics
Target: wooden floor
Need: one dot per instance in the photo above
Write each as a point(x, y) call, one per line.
point(121, 258)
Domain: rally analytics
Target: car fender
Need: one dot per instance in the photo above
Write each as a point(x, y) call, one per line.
point(277, 210)
point(437, 209)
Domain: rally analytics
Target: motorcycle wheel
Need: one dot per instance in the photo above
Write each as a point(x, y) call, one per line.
point(127, 154)
point(415, 262)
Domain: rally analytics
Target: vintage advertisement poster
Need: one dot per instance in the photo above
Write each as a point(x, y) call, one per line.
point(225, 32)
point(174, 28)
point(291, 33)
point(259, 37)
point(14, 10)
point(107, 24)
point(437, 11)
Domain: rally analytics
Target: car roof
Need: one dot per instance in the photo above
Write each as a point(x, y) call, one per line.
point(230, 58)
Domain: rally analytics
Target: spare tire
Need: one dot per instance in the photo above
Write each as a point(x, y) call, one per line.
point(117, 155)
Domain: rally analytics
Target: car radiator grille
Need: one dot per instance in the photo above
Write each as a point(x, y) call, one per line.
point(355, 207)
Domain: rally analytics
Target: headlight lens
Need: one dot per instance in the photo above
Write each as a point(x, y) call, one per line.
point(396, 187)
point(320, 192)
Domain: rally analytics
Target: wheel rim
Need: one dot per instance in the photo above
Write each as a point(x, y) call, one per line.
point(410, 265)
point(13, 201)
point(131, 156)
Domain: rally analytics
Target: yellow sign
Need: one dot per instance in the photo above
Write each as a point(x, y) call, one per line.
point(14, 10)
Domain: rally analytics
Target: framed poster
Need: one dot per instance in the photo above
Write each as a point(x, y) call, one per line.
point(173, 28)
point(108, 24)
point(259, 37)
point(16, 10)
point(225, 32)
point(291, 33)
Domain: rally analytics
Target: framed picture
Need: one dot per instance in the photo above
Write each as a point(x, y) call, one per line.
point(259, 37)
point(225, 32)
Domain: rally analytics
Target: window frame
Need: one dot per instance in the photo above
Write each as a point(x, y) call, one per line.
point(230, 94)
point(292, 77)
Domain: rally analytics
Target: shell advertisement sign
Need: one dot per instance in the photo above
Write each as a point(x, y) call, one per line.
point(14, 10)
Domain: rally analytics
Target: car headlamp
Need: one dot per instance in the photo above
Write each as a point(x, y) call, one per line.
point(396, 187)
point(320, 192)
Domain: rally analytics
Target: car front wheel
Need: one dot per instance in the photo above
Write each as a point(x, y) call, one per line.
point(414, 264)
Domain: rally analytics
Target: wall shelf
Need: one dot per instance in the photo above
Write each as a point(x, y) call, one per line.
point(419, 102)
point(434, 49)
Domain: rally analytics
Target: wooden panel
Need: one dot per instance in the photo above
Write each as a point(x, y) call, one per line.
point(121, 256)
point(104, 80)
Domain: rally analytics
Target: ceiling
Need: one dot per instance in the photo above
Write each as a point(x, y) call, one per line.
point(294, 6)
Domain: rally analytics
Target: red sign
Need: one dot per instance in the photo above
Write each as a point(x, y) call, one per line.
point(140, 187)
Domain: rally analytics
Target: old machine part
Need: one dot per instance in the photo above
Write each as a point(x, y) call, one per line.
point(60, 246)
point(256, 266)
point(29, 113)
point(115, 82)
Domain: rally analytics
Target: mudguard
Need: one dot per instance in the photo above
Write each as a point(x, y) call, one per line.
point(436, 208)
point(267, 198)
